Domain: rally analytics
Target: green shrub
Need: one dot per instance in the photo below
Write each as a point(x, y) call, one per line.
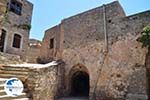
point(23, 26)
point(145, 37)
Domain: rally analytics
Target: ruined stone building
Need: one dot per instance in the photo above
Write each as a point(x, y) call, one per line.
point(97, 52)
point(33, 51)
point(15, 24)
point(102, 57)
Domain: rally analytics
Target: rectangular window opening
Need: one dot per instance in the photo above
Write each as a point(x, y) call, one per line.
point(15, 7)
point(17, 41)
point(51, 43)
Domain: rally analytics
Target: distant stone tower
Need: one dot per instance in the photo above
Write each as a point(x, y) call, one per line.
point(15, 24)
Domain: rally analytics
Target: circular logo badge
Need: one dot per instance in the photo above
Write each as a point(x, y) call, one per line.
point(13, 87)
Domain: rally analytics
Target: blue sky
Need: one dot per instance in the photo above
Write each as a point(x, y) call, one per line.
point(48, 13)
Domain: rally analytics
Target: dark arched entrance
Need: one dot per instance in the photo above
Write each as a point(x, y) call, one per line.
point(80, 84)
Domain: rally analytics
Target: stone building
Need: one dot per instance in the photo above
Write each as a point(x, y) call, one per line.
point(33, 51)
point(15, 24)
point(102, 58)
point(97, 54)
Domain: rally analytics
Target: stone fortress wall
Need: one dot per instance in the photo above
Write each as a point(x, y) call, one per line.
point(99, 45)
point(102, 43)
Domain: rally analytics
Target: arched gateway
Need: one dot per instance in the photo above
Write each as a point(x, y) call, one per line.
point(80, 84)
point(79, 81)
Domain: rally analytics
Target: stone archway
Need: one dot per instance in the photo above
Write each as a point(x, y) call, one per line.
point(80, 84)
point(78, 81)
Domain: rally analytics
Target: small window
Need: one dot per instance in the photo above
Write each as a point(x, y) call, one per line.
point(15, 7)
point(51, 45)
point(17, 41)
point(109, 21)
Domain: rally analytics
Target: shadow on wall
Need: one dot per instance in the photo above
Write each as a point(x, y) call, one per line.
point(44, 60)
point(147, 64)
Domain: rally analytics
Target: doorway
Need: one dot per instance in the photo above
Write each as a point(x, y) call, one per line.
point(2, 40)
point(80, 84)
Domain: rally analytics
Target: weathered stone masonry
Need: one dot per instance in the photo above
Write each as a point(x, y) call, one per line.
point(39, 83)
point(102, 43)
point(97, 48)
point(16, 22)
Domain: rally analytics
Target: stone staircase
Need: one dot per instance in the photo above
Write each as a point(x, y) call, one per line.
point(12, 72)
point(35, 77)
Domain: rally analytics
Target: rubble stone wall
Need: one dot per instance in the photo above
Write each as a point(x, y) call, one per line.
point(6, 59)
point(89, 26)
point(39, 83)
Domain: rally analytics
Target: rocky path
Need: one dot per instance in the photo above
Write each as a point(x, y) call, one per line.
point(74, 98)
